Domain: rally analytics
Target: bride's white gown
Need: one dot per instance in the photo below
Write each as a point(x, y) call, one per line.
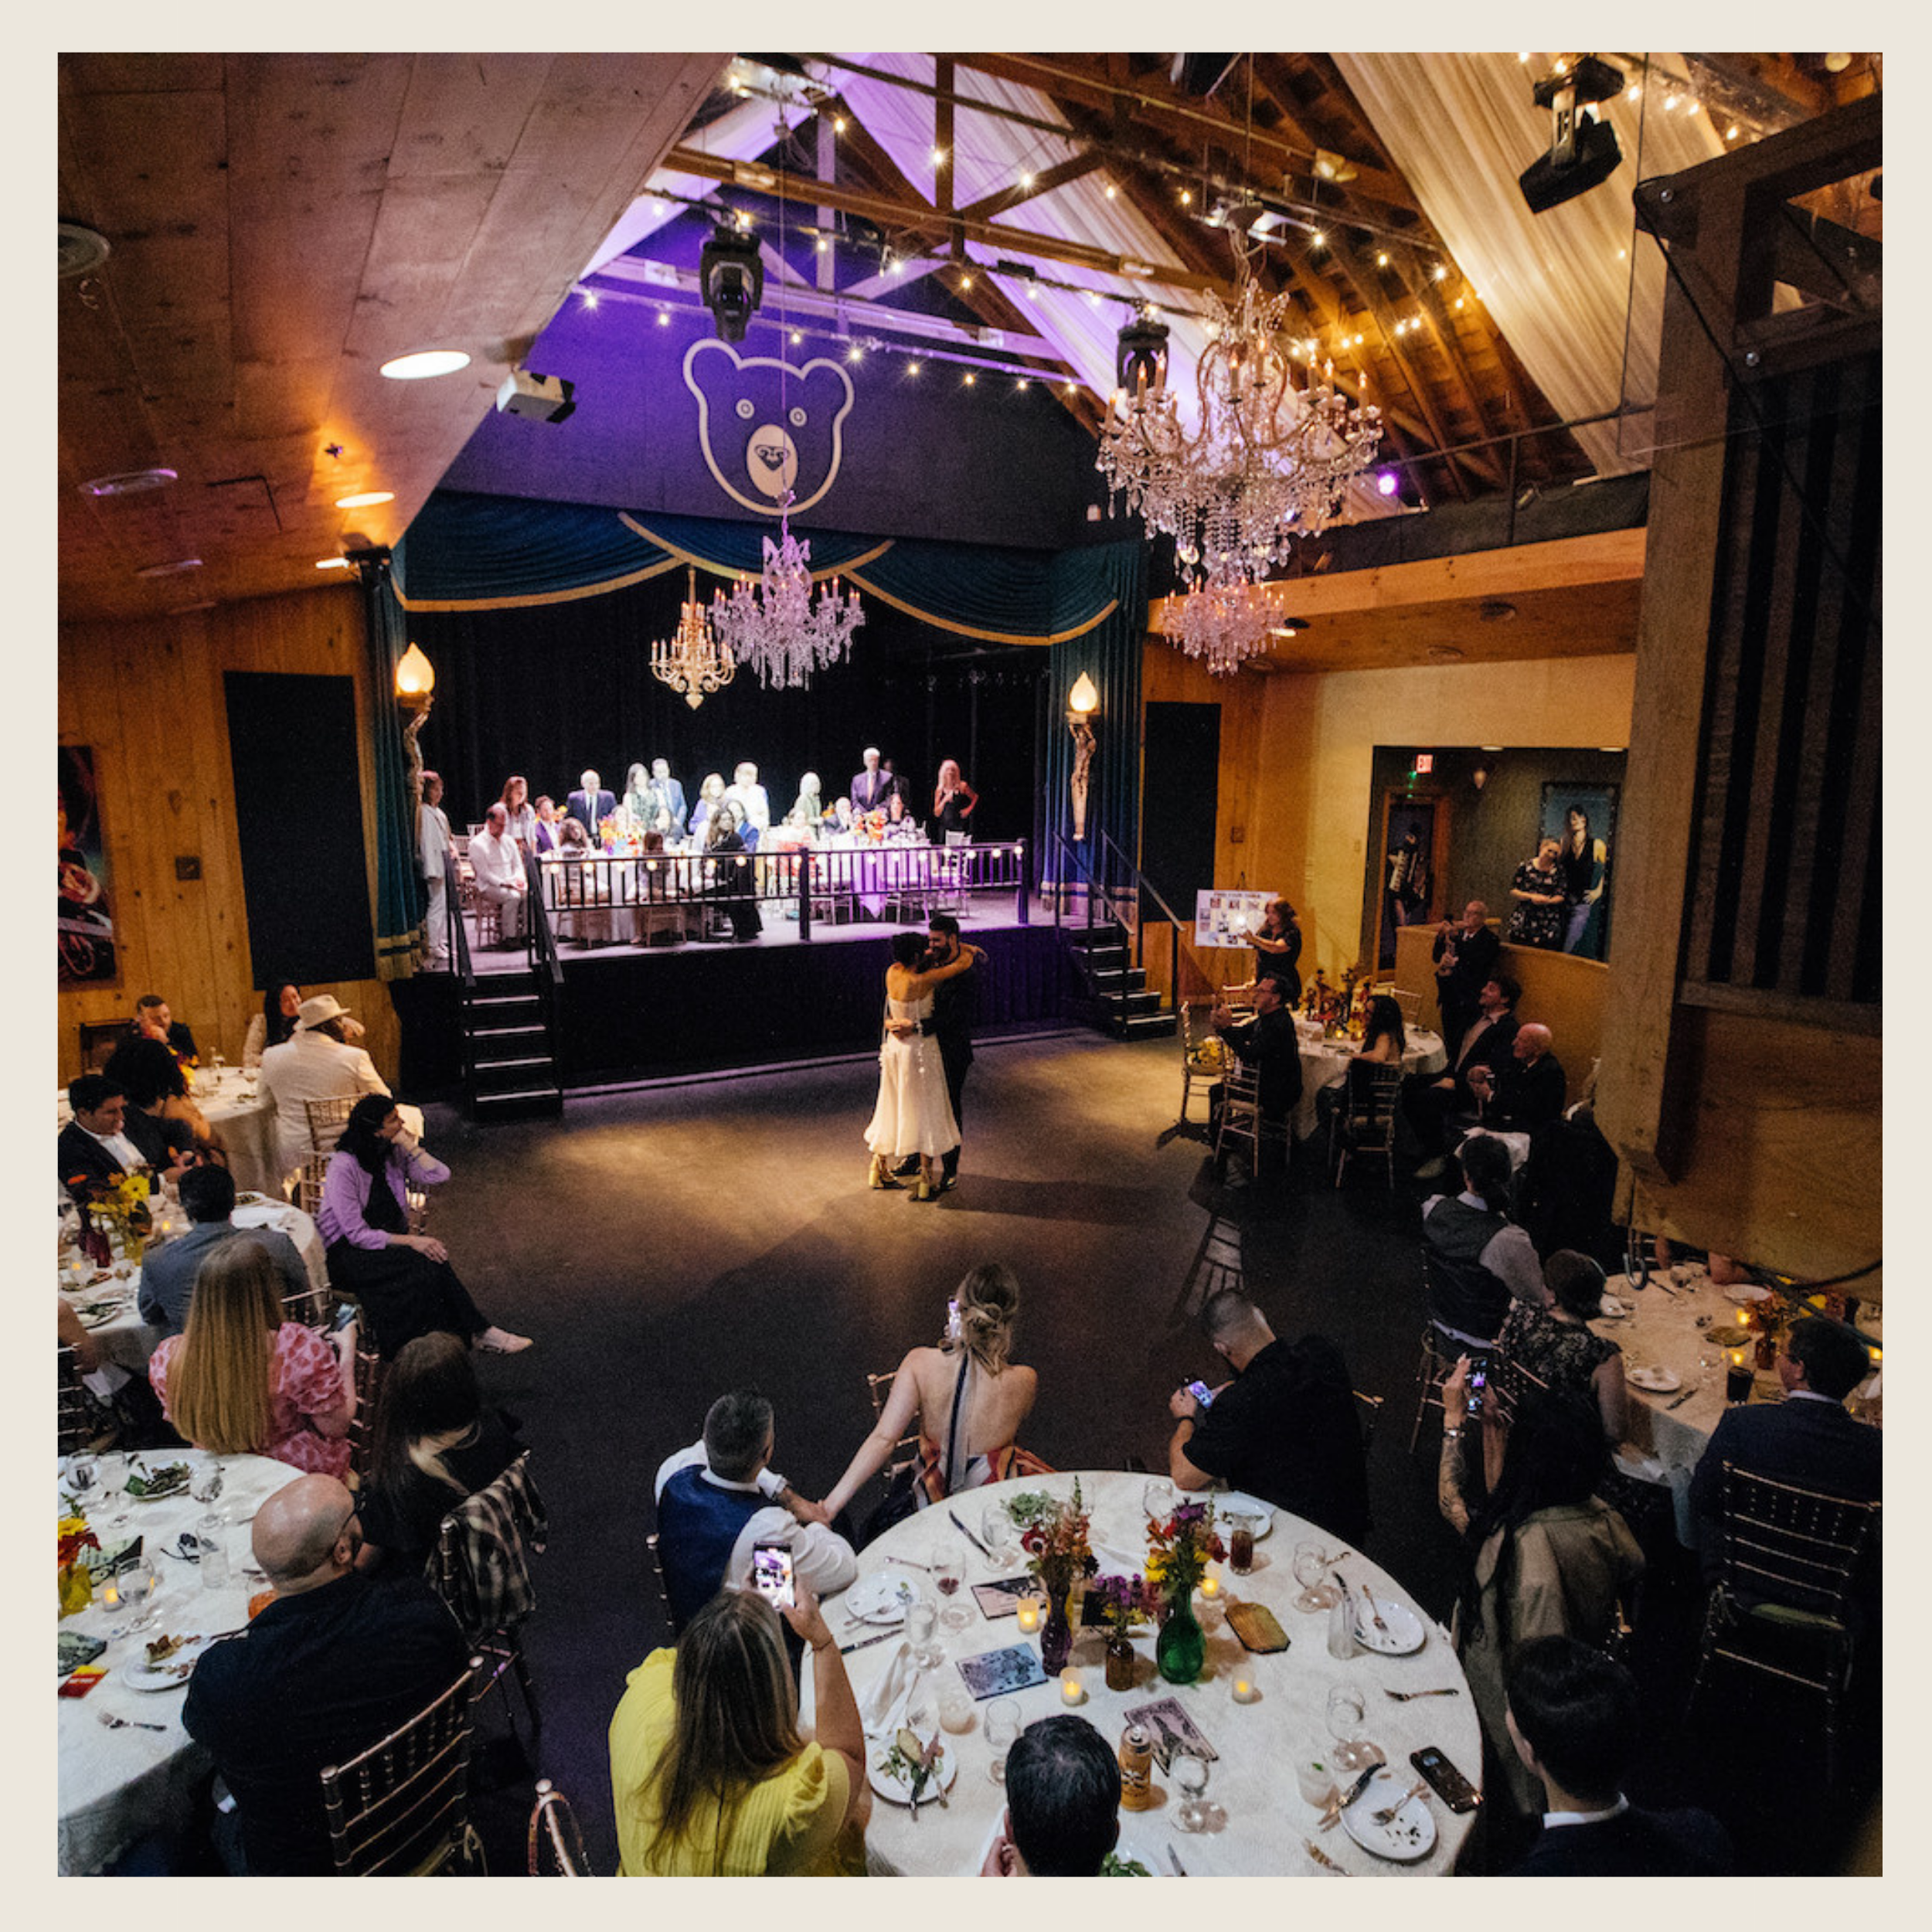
point(913, 1115)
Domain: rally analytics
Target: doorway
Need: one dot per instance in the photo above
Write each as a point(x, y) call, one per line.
point(1415, 855)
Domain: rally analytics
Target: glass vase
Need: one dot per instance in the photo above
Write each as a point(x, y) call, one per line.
point(1119, 1661)
point(1056, 1634)
point(1182, 1647)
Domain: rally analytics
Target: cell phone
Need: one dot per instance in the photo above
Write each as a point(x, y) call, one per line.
point(1202, 1393)
point(771, 1574)
point(1449, 1784)
point(1478, 1381)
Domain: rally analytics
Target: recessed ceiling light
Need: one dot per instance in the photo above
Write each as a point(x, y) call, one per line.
point(129, 483)
point(421, 364)
point(1613, 748)
point(364, 499)
point(170, 569)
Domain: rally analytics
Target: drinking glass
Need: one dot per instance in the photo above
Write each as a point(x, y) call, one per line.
point(137, 1583)
point(1156, 1499)
point(1317, 1593)
point(1241, 1525)
point(1189, 1772)
point(1003, 1730)
point(1344, 1712)
point(1315, 1782)
point(956, 1707)
point(996, 1532)
point(208, 1480)
point(211, 1537)
point(921, 1616)
point(949, 1572)
point(83, 1478)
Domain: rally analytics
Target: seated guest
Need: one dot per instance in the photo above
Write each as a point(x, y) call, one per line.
point(1431, 1101)
point(435, 1443)
point(404, 1282)
point(731, 878)
point(170, 1129)
point(719, 1495)
point(1574, 1722)
point(710, 792)
point(1526, 1090)
point(1269, 1043)
point(497, 860)
point(1062, 1803)
point(967, 1397)
point(1556, 1344)
point(331, 1666)
point(240, 1380)
point(841, 815)
point(317, 1062)
point(1284, 1428)
point(154, 1021)
point(546, 824)
point(1808, 1439)
point(1384, 1041)
point(752, 800)
point(709, 1774)
point(1547, 1556)
point(640, 807)
point(590, 805)
point(281, 1008)
point(1478, 1261)
point(167, 1270)
point(94, 1147)
point(572, 842)
point(520, 815)
point(1566, 1189)
point(118, 1409)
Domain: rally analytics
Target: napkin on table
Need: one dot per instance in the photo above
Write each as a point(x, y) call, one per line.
point(883, 1709)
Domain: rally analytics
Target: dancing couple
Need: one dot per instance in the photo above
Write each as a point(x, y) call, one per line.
point(923, 1061)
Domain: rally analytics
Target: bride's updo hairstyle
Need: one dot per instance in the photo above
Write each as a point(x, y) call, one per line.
point(988, 1301)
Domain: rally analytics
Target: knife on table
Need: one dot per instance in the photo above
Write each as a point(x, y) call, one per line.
point(968, 1535)
point(1355, 1791)
point(1180, 1870)
point(865, 1643)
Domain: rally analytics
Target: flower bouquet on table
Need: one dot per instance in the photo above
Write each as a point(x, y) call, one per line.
point(76, 1584)
point(1123, 1602)
point(1055, 1536)
point(872, 825)
point(1178, 1552)
point(123, 1204)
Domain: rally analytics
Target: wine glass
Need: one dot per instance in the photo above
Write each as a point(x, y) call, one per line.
point(922, 1614)
point(208, 1480)
point(949, 1572)
point(1156, 1499)
point(1002, 1731)
point(1189, 1772)
point(1316, 1592)
point(1344, 1712)
point(83, 1478)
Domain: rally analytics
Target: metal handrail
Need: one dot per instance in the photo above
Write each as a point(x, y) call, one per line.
point(459, 961)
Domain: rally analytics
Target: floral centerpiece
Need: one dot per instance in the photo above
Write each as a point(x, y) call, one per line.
point(872, 824)
point(77, 1584)
point(1178, 1552)
point(124, 1202)
point(1055, 1536)
point(1125, 1601)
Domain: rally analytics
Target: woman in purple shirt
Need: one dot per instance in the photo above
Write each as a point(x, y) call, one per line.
point(404, 1282)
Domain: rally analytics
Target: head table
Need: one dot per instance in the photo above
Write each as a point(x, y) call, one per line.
point(116, 1785)
point(1258, 1820)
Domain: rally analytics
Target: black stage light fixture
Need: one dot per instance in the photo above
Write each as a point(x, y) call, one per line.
point(1140, 355)
point(1582, 150)
point(733, 278)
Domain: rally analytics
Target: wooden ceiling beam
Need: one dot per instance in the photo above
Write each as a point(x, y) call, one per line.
point(1057, 176)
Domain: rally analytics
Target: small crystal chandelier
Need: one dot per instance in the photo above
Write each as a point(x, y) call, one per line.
point(1226, 621)
point(774, 623)
point(694, 663)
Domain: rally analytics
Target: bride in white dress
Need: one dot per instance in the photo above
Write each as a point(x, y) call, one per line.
point(913, 1115)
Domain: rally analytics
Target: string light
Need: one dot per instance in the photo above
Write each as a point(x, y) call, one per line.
point(970, 379)
point(838, 124)
point(1111, 191)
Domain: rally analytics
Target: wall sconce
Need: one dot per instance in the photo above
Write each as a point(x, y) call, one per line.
point(415, 691)
point(1484, 766)
point(1082, 702)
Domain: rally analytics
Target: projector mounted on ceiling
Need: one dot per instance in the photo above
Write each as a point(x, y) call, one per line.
point(543, 398)
point(1582, 150)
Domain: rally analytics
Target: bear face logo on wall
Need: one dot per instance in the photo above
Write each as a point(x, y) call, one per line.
point(766, 426)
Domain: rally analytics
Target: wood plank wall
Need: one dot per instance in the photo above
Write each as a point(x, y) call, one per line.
point(148, 697)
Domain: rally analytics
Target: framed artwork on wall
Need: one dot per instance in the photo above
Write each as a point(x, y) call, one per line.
point(84, 923)
point(1582, 818)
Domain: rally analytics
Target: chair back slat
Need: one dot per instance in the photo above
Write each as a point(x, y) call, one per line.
point(72, 1425)
point(556, 1846)
point(1795, 1545)
point(326, 1121)
point(905, 1451)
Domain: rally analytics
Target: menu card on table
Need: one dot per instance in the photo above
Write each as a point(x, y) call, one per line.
point(1173, 1731)
point(1001, 1598)
point(999, 1673)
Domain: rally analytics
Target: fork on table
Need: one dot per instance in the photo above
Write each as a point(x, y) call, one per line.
point(1388, 1811)
point(115, 1723)
point(1373, 1611)
point(1402, 1697)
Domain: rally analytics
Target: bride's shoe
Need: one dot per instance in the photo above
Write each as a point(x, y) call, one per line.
point(928, 1187)
point(881, 1173)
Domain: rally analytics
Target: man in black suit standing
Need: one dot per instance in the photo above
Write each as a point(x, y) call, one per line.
point(1466, 956)
point(1267, 1042)
point(1431, 1100)
point(870, 787)
point(590, 805)
point(1526, 1090)
point(1572, 1715)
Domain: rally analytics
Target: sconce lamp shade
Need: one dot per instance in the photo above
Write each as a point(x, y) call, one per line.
point(1085, 695)
point(415, 675)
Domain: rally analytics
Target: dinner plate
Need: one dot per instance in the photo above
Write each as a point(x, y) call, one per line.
point(97, 1314)
point(251, 1200)
point(880, 1599)
point(899, 1788)
point(1749, 1294)
point(1263, 1513)
point(1659, 1382)
point(1406, 1631)
point(1612, 1310)
point(169, 1676)
point(1409, 1835)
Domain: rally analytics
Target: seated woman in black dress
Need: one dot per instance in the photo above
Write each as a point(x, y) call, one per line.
point(731, 874)
point(435, 1443)
point(404, 1282)
point(170, 1129)
point(1557, 1346)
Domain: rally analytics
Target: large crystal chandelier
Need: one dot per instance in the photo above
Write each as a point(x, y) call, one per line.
point(775, 624)
point(694, 663)
point(1226, 621)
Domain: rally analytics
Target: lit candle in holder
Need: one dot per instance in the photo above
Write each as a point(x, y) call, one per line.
point(1029, 1614)
point(109, 1593)
point(1072, 1691)
point(1245, 1692)
point(1211, 1587)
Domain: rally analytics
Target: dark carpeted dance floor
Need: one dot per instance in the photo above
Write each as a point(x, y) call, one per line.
point(665, 1244)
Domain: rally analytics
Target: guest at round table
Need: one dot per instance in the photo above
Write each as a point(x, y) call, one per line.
point(730, 869)
point(1557, 1346)
point(318, 1061)
point(1277, 946)
point(170, 1129)
point(281, 1011)
point(637, 801)
point(520, 813)
point(953, 801)
point(435, 1443)
point(1538, 918)
point(546, 825)
point(752, 801)
point(239, 1380)
point(1384, 1041)
point(808, 808)
point(710, 792)
point(710, 1776)
point(404, 1282)
point(967, 1397)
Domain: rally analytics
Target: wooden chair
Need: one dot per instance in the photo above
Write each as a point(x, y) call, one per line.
point(1409, 1005)
point(401, 1808)
point(370, 1369)
point(664, 1587)
point(310, 1177)
point(1371, 1414)
point(905, 1451)
point(500, 1644)
point(98, 1040)
point(1780, 1604)
point(1241, 1120)
point(1439, 1353)
point(1365, 1123)
point(1203, 1058)
point(556, 1847)
point(326, 1121)
point(74, 1426)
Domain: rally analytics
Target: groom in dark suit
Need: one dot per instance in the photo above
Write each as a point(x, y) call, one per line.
point(871, 787)
point(590, 805)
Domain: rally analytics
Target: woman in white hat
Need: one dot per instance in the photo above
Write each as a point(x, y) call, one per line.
point(317, 1062)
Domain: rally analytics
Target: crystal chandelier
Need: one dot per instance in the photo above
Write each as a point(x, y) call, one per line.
point(774, 623)
point(694, 663)
point(1226, 621)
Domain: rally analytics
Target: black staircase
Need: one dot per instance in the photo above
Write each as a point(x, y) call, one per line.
point(1110, 990)
point(510, 1024)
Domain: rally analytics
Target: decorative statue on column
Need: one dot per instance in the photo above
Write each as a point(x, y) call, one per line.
point(1081, 702)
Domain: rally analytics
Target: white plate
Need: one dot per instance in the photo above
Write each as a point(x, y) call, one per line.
point(1406, 1631)
point(1659, 1382)
point(171, 1675)
point(880, 1599)
point(101, 1319)
point(1748, 1294)
point(1612, 1310)
point(252, 1200)
point(898, 1789)
point(1409, 1835)
point(1240, 1499)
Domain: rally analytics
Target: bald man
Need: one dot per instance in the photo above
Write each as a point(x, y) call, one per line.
point(1525, 1090)
point(334, 1664)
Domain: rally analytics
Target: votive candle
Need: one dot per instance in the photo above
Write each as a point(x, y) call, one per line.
point(1072, 1691)
point(1245, 1693)
point(1029, 1613)
point(1210, 1586)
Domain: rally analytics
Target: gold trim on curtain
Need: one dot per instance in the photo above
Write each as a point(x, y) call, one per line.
point(990, 637)
point(542, 596)
point(704, 563)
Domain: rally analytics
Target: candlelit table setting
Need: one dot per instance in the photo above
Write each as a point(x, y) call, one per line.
point(238, 1108)
point(1243, 1742)
point(126, 1766)
point(1325, 1062)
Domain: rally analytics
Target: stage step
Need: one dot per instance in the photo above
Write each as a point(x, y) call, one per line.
point(1138, 1025)
point(521, 1103)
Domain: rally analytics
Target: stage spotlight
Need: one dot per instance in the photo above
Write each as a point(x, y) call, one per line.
point(1582, 150)
point(732, 279)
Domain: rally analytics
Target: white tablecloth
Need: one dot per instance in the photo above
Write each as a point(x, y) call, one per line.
point(1325, 1062)
point(1253, 1782)
point(117, 1785)
point(241, 1113)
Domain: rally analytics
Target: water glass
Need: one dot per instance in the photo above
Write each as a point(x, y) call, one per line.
point(1156, 1499)
point(996, 1532)
point(956, 1707)
point(211, 1537)
point(206, 1483)
point(921, 1617)
point(1002, 1731)
point(1189, 1772)
point(137, 1583)
point(949, 1573)
point(1311, 1572)
point(1343, 1712)
point(1315, 1782)
point(83, 1479)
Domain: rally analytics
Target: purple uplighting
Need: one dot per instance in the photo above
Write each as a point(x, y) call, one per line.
point(1386, 482)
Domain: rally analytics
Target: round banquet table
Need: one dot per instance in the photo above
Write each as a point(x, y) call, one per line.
point(1261, 1820)
point(116, 1786)
point(239, 1110)
point(1325, 1062)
